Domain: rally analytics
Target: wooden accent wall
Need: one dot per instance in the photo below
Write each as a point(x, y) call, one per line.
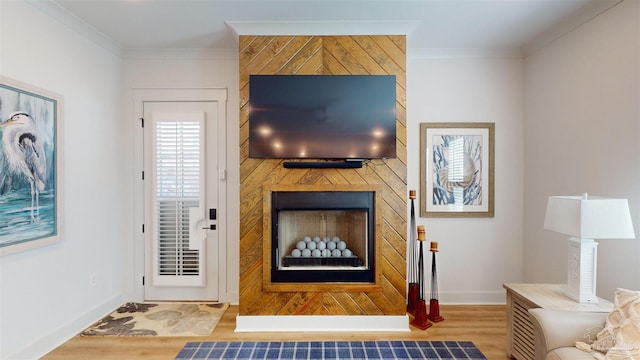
point(336, 55)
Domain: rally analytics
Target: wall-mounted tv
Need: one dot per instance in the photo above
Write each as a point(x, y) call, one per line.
point(322, 116)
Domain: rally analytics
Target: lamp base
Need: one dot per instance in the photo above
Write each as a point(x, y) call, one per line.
point(581, 272)
point(583, 299)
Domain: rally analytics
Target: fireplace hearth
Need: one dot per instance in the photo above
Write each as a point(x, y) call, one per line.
point(322, 236)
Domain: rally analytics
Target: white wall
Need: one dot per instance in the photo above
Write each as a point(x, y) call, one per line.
point(582, 135)
point(183, 69)
point(45, 294)
point(476, 255)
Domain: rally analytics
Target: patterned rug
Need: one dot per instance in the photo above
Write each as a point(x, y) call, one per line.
point(164, 319)
point(361, 350)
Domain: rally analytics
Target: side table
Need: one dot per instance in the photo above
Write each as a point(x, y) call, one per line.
point(522, 297)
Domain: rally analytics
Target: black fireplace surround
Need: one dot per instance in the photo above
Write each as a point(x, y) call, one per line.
point(325, 201)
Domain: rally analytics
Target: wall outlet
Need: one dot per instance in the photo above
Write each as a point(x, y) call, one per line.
point(93, 280)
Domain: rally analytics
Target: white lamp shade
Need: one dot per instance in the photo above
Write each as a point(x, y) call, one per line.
point(589, 218)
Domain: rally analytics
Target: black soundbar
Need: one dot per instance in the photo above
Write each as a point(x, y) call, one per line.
point(349, 164)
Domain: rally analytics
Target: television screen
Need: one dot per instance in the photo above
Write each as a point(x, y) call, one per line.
point(322, 116)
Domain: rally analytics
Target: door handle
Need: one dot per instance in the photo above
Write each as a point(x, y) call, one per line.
point(213, 214)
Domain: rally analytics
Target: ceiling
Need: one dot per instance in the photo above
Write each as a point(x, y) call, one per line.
point(208, 24)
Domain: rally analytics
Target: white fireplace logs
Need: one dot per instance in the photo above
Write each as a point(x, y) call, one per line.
point(310, 251)
point(325, 247)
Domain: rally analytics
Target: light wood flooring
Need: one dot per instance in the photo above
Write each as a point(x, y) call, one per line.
point(484, 325)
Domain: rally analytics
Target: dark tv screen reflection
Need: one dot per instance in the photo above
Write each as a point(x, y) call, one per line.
point(322, 116)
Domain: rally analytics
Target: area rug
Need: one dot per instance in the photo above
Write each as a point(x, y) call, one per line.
point(159, 319)
point(361, 350)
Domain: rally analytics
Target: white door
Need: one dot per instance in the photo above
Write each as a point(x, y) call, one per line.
point(182, 176)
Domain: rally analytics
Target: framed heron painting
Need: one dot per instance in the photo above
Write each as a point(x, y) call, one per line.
point(30, 167)
point(457, 169)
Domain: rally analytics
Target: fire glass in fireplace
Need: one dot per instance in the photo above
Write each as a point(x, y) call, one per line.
point(322, 236)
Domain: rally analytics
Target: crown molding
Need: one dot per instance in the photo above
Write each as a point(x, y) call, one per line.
point(462, 53)
point(322, 28)
point(182, 54)
point(590, 11)
point(71, 21)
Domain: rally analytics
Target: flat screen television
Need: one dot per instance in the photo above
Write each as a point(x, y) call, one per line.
point(322, 116)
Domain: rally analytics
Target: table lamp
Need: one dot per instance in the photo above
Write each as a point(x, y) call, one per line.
point(586, 218)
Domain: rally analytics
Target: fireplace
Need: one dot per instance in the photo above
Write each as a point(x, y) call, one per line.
point(322, 236)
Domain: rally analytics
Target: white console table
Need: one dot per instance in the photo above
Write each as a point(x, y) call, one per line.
point(522, 297)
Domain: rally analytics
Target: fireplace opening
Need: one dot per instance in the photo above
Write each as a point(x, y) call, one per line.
point(322, 236)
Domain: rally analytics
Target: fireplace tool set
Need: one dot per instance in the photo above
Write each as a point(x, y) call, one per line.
point(416, 304)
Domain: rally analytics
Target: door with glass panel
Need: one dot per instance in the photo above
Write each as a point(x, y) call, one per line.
point(181, 200)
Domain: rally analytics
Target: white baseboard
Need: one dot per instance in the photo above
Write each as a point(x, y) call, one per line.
point(45, 344)
point(269, 323)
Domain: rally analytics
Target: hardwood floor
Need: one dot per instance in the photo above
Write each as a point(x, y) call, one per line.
point(484, 325)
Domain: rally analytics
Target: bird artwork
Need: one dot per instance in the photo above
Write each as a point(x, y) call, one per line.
point(24, 155)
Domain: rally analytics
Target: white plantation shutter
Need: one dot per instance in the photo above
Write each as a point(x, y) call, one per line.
point(178, 198)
